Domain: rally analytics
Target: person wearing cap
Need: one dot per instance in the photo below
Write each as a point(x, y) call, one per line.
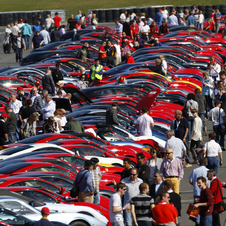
point(112, 115)
point(121, 81)
point(26, 32)
point(37, 40)
point(21, 24)
point(129, 58)
point(49, 108)
point(11, 124)
point(96, 71)
point(28, 126)
point(20, 45)
point(96, 180)
point(48, 83)
point(59, 87)
point(118, 59)
point(3, 131)
point(44, 221)
point(217, 116)
point(84, 181)
point(157, 43)
point(20, 95)
point(56, 73)
point(158, 18)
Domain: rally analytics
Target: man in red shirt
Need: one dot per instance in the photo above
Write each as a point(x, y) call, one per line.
point(164, 212)
point(217, 191)
point(134, 29)
point(57, 19)
point(129, 57)
point(154, 29)
point(205, 203)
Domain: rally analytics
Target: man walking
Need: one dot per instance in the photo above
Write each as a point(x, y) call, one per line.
point(141, 207)
point(132, 183)
point(115, 206)
point(26, 32)
point(205, 203)
point(172, 169)
point(84, 181)
point(217, 190)
point(37, 40)
point(96, 180)
point(20, 45)
point(145, 123)
point(112, 115)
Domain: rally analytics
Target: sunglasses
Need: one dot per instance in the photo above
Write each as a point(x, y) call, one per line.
point(138, 158)
point(168, 153)
point(124, 189)
point(133, 174)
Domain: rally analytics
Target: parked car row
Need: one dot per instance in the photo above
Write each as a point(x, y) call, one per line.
point(40, 170)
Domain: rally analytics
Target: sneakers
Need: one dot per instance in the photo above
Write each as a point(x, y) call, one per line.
point(188, 165)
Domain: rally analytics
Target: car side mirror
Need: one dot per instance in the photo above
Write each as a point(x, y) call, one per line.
point(62, 190)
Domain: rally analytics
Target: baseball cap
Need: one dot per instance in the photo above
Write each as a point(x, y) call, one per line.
point(4, 115)
point(19, 88)
point(60, 82)
point(122, 79)
point(45, 211)
point(37, 83)
point(21, 20)
point(156, 39)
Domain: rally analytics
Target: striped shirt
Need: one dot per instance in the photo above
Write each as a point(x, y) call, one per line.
point(142, 204)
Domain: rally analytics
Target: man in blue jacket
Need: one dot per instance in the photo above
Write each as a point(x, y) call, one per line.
point(26, 32)
point(191, 21)
point(158, 18)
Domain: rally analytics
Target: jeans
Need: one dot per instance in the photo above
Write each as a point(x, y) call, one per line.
point(190, 125)
point(179, 221)
point(12, 137)
point(200, 26)
point(202, 116)
point(128, 218)
point(209, 104)
point(96, 199)
point(219, 134)
point(19, 54)
point(27, 40)
point(217, 27)
point(206, 220)
point(144, 223)
point(213, 163)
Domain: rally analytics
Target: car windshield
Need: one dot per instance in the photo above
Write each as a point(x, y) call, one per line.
point(74, 160)
point(34, 139)
point(37, 196)
point(13, 167)
point(87, 151)
point(16, 207)
point(49, 169)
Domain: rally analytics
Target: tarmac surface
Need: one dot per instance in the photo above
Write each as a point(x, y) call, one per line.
point(186, 191)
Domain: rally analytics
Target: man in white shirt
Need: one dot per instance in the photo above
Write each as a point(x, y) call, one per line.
point(173, 19)
point(164, 64)
point(49, 108)
point(216, 68)
point(118, 52)
point(33, 94)
point(15, 104)
point(200, 20)
point(140, 23)
point(217, 116)
point(123, 17)
point(165, 14)
point(145, 31)
point(115, 206)
point(21, 24)
point(145, 123)
point(63, 119)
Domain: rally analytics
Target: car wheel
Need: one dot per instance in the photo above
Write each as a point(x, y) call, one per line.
point(79, 223)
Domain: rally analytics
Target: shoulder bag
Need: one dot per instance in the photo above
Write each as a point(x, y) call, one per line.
point(75, 190)
point(220, 206)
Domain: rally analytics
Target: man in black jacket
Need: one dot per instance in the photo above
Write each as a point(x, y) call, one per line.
point(56, 74)
point(75, 35)
point(112, 116)
point(48, 83)
point(55, 35)
point(3, 130)
point(143, 169)
point(174, 197)
point(158, 186)
point(157, 68)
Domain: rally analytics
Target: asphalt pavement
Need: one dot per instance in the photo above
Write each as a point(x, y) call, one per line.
point(186, 191)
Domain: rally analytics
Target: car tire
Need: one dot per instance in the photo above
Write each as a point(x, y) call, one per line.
point(79, 223)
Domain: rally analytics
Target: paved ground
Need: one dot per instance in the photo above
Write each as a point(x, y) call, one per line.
point(186, 188)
